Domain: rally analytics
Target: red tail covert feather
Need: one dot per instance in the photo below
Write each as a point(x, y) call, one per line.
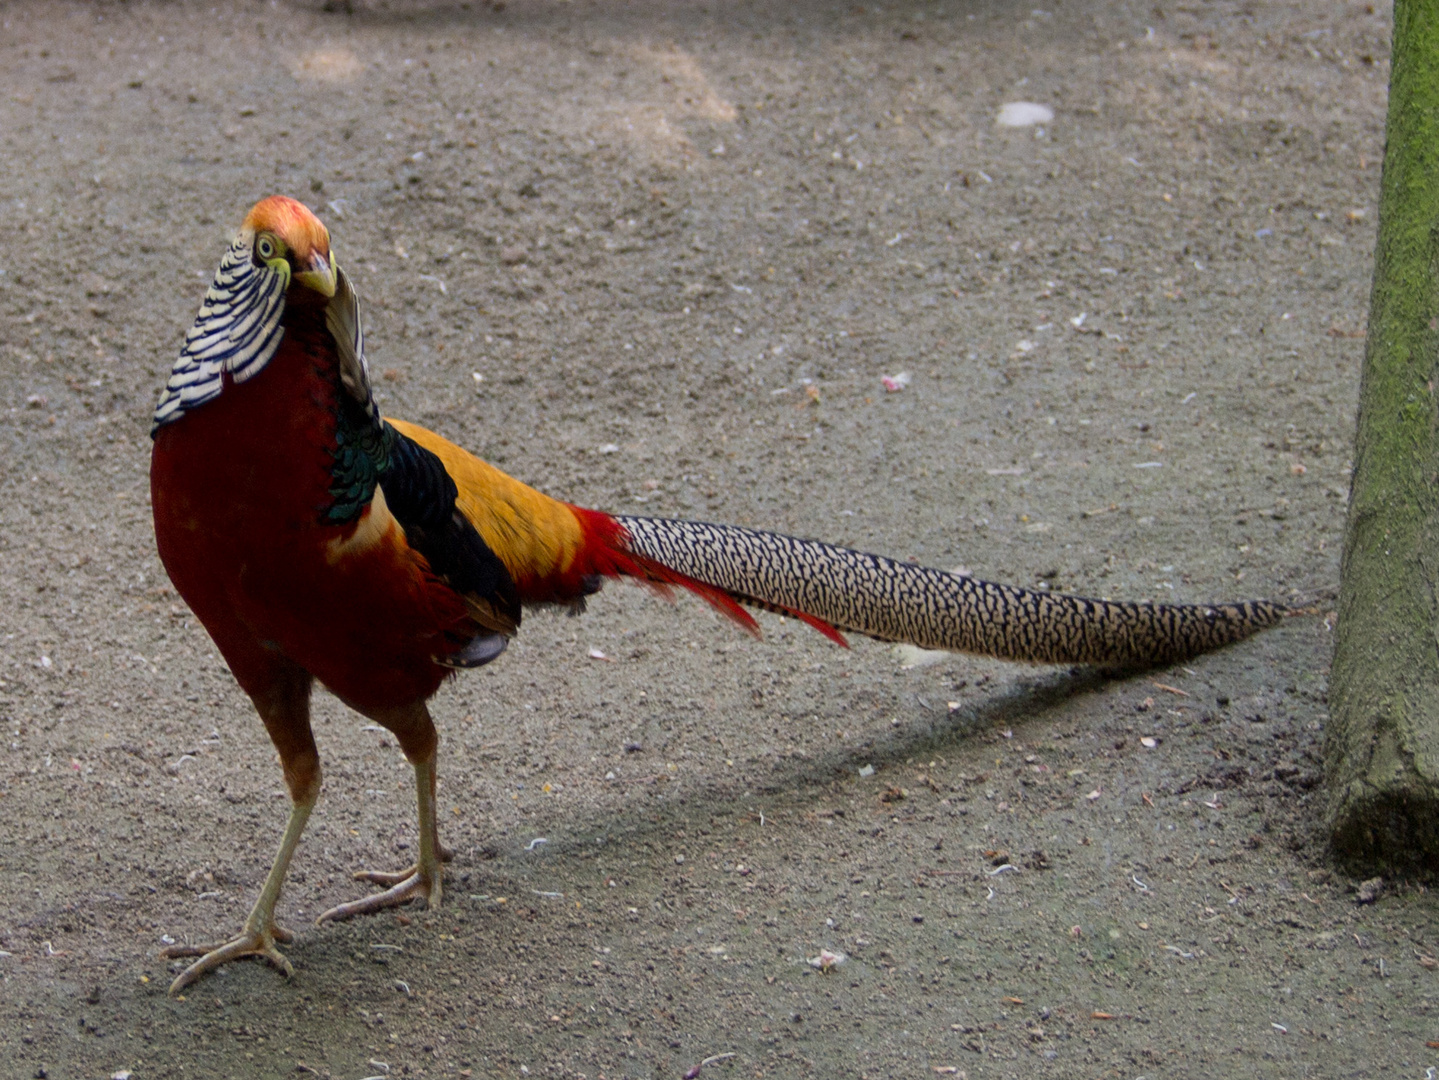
point(606, 551)
point(819, 624)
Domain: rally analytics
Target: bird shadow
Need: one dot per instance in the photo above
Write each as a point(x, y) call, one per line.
point(929, 730)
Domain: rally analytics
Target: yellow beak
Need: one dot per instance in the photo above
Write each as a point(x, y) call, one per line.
point(320, 276)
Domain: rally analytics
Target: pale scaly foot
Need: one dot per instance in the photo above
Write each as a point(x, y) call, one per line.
point(259, 943)
point(422, 881)
point(416, 886)
point(259, 934)
point(394, 877)
point(405, 885)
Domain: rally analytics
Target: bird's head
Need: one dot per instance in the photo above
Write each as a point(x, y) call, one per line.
point(290, 240)
point(278, 264)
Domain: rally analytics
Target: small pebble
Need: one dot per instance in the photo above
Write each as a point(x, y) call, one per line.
point(1369, 891)
point(1023, 114)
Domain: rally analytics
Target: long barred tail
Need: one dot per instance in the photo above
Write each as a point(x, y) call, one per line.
point(895, 601)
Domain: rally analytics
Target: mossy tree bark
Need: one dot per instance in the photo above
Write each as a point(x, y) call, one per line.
point(1382, 744)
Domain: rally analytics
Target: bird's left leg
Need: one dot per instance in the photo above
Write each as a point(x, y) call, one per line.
point(422, 881)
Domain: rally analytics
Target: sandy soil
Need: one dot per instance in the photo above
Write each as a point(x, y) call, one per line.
point(657, 258)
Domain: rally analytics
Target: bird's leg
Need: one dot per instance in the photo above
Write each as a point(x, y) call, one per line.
point(285, 709)
point(394, 877)
point(423, 880)
point(259, 933)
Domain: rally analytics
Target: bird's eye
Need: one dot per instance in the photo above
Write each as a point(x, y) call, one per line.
point(265, 248)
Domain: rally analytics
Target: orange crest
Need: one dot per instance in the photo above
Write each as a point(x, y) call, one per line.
point(293, 223)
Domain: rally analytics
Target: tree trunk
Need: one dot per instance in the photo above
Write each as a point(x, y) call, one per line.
point(1382, 743)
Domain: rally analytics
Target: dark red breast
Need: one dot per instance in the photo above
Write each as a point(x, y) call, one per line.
point(239, 488)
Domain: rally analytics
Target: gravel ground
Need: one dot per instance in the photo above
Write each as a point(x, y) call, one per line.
point(659, 258)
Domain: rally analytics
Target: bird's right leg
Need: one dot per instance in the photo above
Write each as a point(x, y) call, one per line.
point(284, 706)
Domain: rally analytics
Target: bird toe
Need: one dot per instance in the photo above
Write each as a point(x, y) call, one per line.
point(416, 886)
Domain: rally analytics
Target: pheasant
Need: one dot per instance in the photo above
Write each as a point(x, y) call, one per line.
point(315, 539)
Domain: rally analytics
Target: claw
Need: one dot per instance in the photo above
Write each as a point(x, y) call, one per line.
point(259, 943)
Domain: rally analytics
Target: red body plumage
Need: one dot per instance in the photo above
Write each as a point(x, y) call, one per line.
point(238, 492)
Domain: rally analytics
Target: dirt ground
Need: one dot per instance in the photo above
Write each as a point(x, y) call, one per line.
point(659, 257)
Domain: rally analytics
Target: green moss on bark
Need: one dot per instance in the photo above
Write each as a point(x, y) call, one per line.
point(1382, 744)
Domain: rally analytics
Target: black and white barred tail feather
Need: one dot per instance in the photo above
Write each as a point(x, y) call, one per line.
point(895, 601)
